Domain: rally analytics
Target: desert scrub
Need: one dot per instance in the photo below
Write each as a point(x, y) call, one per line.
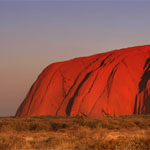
point(11, 142)
point(19, 126)
point(87, 122)
point(129, 143)
point(72, 133)
point(55, 126)
point(34, 126)
point(141, 124)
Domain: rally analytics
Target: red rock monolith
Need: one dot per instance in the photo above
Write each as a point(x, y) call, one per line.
point(114, 83)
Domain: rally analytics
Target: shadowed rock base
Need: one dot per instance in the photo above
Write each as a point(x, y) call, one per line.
point(113, 83)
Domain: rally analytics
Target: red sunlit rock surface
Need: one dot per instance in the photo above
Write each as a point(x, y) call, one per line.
point(114, 83)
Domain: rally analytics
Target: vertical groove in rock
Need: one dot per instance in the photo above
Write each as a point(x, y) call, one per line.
point(69, 106)
point(143, 91)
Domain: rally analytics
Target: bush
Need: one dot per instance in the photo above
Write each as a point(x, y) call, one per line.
point(55, 126)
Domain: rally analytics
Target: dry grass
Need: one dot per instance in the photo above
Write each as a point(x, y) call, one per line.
point(77, 133)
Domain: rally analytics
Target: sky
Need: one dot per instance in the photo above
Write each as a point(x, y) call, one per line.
point(34, 34)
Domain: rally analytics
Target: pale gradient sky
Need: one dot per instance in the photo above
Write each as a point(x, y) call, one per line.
point(35, 34)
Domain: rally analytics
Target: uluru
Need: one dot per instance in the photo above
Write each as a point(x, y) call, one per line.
point(114, 83)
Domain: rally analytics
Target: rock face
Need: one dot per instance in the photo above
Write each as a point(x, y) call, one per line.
point(113, 83)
